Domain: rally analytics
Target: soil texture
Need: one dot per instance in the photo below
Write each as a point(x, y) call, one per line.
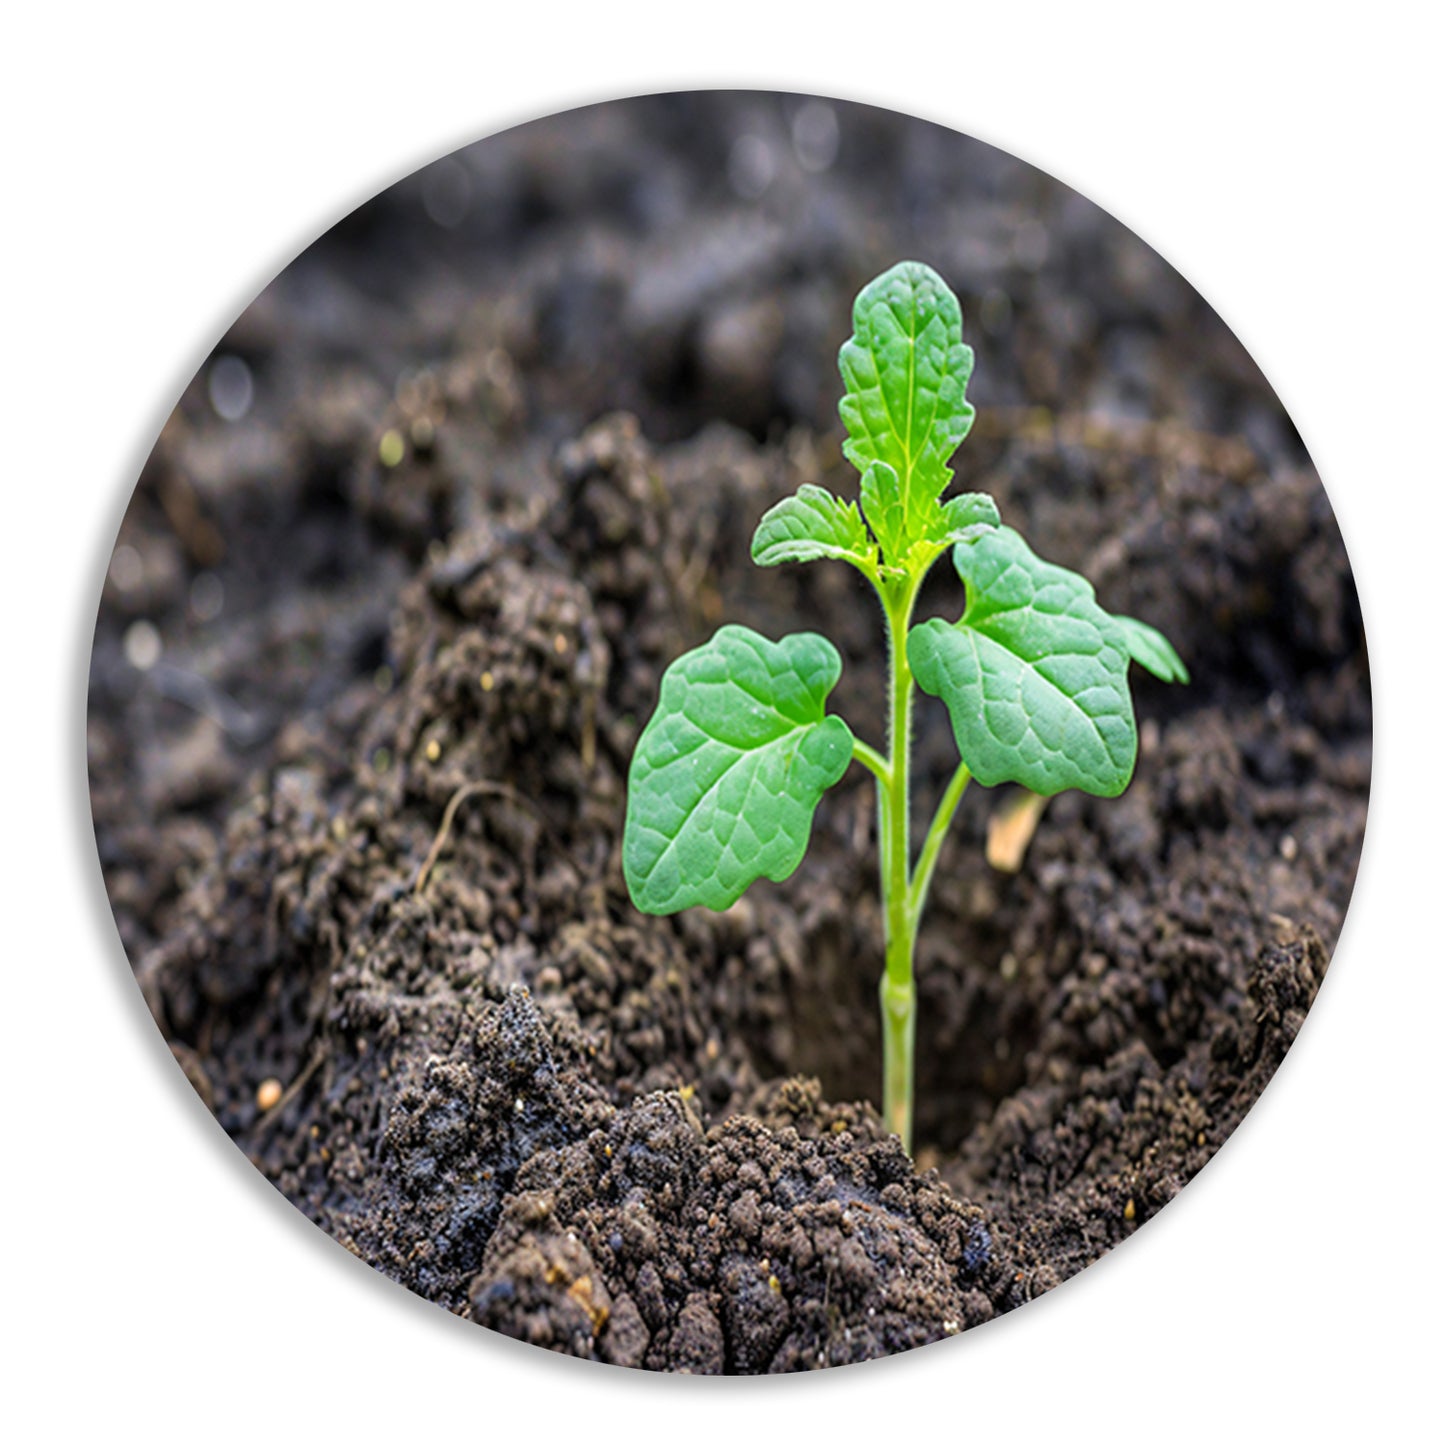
point(373, 654)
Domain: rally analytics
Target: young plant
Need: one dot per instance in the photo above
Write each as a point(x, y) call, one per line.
point(729, 770)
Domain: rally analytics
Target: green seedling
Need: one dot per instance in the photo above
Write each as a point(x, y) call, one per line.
point(729, 771)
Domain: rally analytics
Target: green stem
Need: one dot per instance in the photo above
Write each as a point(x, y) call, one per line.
point(897, 995)
point(937, 832)
point(898, 1007)
point(904, 892)
point(871, 759)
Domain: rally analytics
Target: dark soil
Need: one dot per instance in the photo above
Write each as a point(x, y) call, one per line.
point(654, 1141)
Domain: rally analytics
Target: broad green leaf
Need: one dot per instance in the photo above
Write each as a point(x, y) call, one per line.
point(809, 525)
point(1035, 673)
point(728, 771)
point(1151, 649)
point(905, 369)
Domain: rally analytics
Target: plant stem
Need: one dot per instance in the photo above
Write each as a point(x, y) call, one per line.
point(897, 1005)
point(871, 759)
point(904, 892)
point(937, 832)
point(897, 994)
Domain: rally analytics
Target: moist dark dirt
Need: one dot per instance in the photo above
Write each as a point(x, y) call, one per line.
point(511, 426)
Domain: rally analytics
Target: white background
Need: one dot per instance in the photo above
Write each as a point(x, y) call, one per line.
point(163, 161)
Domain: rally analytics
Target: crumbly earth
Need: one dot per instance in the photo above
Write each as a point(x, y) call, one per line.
point(512, 425)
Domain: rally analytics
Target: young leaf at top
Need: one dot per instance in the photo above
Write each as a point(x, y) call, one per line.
point(729, 770)
point(959, 519)
point(905, 369)
point(1034, 674)
point(812, 524)
point(1151, 649)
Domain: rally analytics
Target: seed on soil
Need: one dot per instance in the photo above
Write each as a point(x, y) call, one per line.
point(433, 751)
point(268, 1095)
point(488, 682)
point(1288, 848)
point(391, 448)
point(1129, 1210)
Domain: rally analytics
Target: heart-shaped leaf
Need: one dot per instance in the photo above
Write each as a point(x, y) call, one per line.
point(1034, 674)
point(728, 772)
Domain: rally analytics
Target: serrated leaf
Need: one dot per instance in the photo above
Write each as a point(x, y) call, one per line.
point(959, 519)
point(812, 524)
point(1034, 674)
point(1151, 649)
point(728, 772)
point(882, 500)
point(906, 370)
